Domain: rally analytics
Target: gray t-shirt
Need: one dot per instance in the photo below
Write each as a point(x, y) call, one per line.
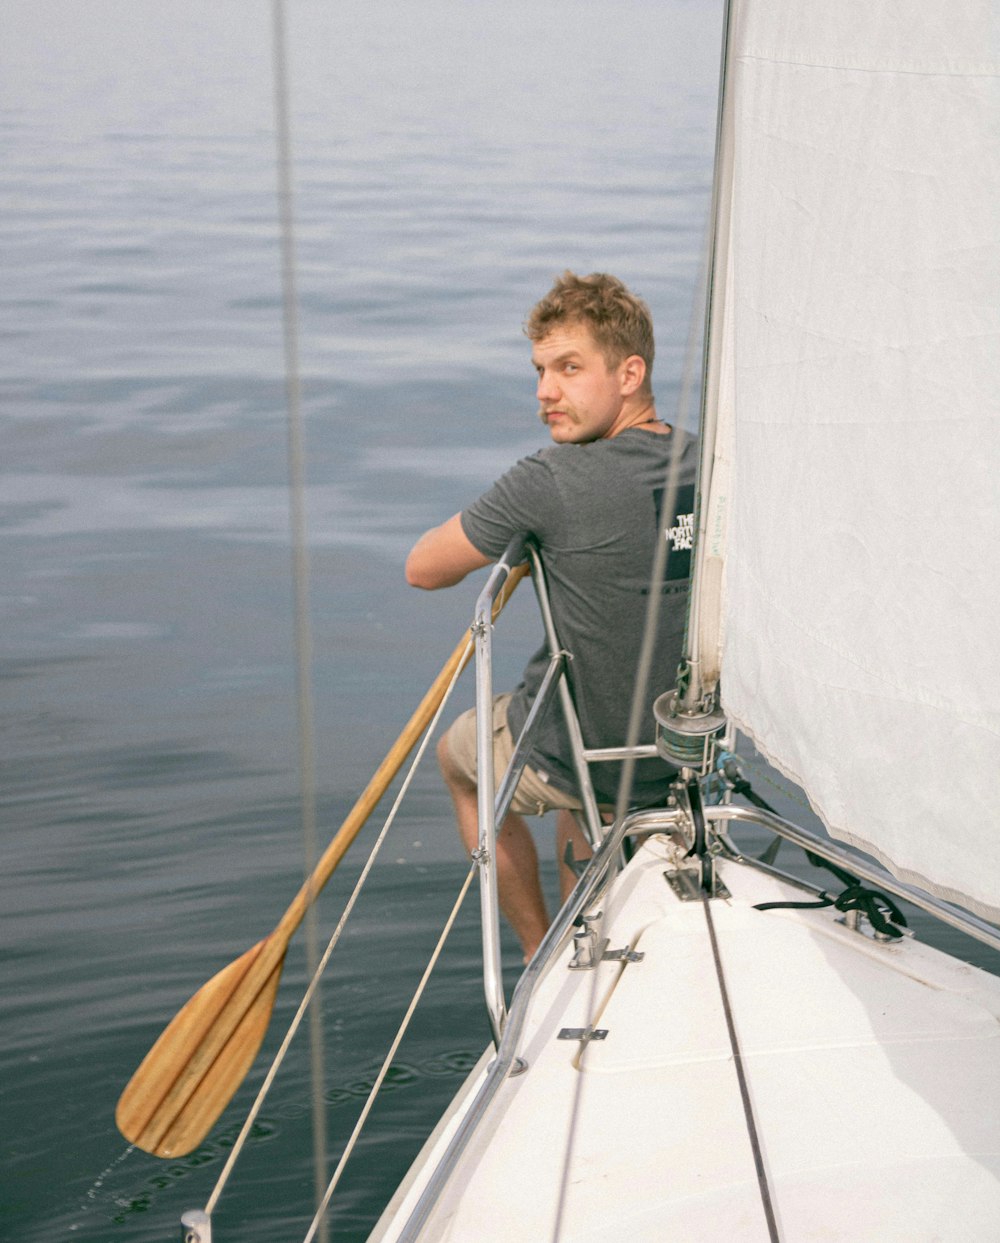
point(594, 510)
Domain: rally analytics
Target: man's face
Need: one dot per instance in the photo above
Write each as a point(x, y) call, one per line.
point(579, 398)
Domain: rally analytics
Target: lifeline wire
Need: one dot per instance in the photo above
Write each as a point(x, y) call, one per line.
point(321, 967)
point(380, 1077)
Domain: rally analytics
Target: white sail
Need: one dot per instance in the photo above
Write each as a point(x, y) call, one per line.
point(861, 382)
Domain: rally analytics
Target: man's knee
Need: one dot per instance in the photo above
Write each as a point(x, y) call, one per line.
point(445, 762)
point(452, 773)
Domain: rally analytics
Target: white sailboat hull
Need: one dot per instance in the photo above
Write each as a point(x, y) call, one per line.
point(871, 1074)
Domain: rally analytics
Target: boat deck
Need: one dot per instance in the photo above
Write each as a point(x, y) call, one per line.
point(870, 1070)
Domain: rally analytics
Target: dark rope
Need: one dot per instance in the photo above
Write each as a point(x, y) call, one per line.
point(855, 897)
point(882, 913)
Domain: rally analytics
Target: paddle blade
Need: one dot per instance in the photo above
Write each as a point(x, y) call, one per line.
point(189, 1076)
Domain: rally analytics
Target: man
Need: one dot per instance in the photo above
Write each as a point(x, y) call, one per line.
point(592, 502)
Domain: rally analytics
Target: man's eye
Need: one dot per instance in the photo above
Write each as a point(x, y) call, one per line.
point(570, 368)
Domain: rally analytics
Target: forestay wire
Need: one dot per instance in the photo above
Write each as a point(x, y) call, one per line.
point(303, 647)
point(300, 560)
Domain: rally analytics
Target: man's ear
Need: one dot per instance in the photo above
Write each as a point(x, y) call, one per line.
point(633, 373)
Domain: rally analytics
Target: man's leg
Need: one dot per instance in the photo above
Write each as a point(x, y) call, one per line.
point(518, 881)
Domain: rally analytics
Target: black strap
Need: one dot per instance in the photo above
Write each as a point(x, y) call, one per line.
point(743, 787)
point(883, 914)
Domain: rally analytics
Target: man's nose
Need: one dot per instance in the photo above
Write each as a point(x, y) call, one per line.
point(548, 390)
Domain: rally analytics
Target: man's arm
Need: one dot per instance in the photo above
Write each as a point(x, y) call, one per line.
point(443, 556)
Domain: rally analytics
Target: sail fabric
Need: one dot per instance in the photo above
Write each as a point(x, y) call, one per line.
point(861, 431)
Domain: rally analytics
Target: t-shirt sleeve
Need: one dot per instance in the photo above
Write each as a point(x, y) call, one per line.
point(524, 501)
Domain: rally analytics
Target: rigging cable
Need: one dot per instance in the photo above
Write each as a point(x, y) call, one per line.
point(644, 664)
point(706, 295)
point(303, 645)
point(300, 560)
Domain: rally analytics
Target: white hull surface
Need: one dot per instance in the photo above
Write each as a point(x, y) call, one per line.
point(872, 1073)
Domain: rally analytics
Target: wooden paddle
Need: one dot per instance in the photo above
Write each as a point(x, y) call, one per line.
point(188, 1077)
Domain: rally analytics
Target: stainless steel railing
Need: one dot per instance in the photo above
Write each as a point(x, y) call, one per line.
point(492, 807)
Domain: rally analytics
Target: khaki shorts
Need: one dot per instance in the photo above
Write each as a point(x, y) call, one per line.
point(534, 795)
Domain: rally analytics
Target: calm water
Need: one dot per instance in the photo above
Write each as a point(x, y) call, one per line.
point(450, 158)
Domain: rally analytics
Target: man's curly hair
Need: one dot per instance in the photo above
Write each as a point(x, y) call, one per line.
point(619, 322)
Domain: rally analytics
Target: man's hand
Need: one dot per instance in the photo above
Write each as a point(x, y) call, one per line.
point(443, 556)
